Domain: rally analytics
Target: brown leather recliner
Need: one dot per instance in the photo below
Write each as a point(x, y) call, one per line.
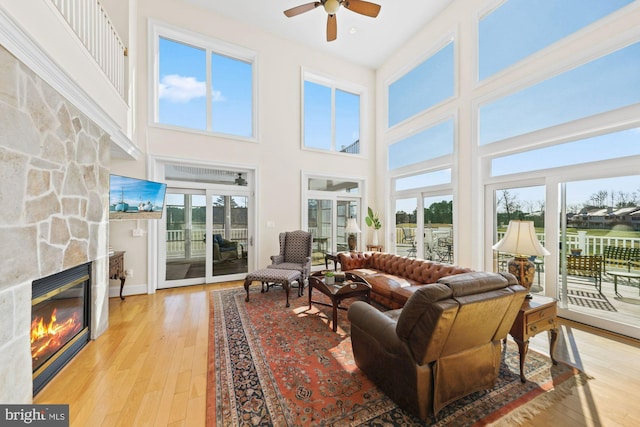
point(443, 345)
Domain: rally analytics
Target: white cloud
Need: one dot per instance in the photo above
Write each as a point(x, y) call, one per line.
point(217, 96)
point(182, 89)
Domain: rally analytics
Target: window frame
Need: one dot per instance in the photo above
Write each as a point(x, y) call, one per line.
point(210, 45)
point(344, 86)
point(334, 197)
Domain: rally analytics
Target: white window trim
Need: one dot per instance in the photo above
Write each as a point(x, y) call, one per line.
point(345, 86)
point(159, 29)
point(334, 196)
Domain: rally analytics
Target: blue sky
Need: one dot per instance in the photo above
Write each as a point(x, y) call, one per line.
point(519, 28)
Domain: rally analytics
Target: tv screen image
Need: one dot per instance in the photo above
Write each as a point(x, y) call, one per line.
point(133, 198)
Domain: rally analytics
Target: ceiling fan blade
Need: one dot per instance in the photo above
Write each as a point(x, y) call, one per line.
point(332, 28)
point(301, 9)
point(362, 7)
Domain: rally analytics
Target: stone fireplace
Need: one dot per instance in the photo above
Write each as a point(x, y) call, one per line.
point(54, 184)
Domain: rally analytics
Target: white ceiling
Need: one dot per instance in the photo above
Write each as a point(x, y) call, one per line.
point(374, 40)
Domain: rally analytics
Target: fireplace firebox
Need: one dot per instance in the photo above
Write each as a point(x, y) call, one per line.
point(60, 319)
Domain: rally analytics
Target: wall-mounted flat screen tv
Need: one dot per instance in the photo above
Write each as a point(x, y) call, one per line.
point(132, 198)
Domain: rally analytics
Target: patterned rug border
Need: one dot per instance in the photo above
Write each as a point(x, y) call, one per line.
point(516, 412)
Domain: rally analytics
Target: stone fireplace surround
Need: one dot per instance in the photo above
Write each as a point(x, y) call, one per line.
point(54, 190)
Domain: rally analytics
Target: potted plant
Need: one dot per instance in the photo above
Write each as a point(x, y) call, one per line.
point(329, 278)
point(373, 220)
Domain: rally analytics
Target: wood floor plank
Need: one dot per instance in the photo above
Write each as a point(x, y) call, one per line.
point(150, 367)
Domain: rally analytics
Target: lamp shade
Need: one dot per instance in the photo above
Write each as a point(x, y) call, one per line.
point(352, 226)
point(520, 240)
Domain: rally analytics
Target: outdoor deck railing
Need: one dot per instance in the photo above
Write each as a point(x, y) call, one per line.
point(177, 245)
point(590, 245)
point(88, 19)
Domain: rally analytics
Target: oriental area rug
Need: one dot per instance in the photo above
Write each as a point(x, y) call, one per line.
point(274, 366)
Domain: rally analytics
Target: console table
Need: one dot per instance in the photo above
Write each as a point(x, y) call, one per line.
point(116, 269)
point(536, 315)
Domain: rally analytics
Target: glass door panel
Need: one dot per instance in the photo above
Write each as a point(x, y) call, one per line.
point(438, 228)
point(185, 237)
point(320, 224)
point(406, 244)
point(521, 203)
point(346, 209)
point(230, 237)
point(600, 248)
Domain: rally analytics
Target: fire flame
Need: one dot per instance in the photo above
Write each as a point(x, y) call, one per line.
point(53, 335)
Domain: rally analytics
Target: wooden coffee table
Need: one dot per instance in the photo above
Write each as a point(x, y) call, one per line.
point(353, 286)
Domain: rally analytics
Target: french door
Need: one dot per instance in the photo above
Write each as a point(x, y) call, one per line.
point(206, 237)
point(576, 218)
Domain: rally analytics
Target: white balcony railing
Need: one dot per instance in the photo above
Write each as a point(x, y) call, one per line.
point(178, 245)
point(93, 27)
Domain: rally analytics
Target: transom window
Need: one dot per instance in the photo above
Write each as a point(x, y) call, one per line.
point(602, 85)
point(426, 85)
point(203, 84)
point(332, 115)
point(602, 147)
point(519, 28)
point(433, 142)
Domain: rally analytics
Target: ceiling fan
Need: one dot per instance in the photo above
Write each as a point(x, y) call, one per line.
point(240, 180)
point(331, 7)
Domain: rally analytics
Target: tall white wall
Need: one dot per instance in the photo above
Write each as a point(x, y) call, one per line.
point(277, 154)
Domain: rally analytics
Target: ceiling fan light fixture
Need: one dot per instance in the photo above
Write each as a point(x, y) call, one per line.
point(331, 6)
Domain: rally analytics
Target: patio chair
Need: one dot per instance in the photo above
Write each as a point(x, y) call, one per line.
point(223, 249)
point(586, 266)
point(409, 237)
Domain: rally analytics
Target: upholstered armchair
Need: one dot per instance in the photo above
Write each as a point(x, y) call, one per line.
point(224, 249)
point(295, 253)
point(444, 344)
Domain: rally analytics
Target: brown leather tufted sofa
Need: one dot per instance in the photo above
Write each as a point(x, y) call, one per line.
point(393, 278)
point(443, 345)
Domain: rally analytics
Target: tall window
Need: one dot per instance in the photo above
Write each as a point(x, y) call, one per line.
point(331, 119)
point(203, 85)
point(519, 28)
point(424, 86)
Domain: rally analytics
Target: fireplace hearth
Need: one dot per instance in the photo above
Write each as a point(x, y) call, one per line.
point(60, 318)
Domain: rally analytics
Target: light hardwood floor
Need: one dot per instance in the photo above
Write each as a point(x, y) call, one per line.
point(149, 368)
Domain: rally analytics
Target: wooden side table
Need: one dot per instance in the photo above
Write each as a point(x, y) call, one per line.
point(116, 269)
point(377, 248)
point(536, 315)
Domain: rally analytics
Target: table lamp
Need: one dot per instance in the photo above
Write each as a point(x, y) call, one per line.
point(520, 240)
point(351, 229)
